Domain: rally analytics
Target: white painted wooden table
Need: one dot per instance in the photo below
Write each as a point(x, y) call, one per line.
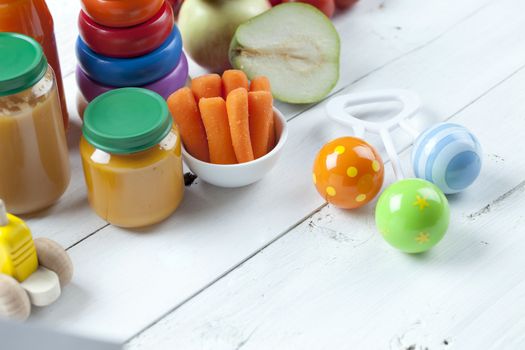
point(272, 266)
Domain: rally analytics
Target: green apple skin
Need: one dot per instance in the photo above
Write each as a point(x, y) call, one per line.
point(208, 26)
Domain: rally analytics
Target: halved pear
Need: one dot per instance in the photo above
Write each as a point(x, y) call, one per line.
point(296, 46)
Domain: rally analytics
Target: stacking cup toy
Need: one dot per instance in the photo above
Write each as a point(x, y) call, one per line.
point(129, 41)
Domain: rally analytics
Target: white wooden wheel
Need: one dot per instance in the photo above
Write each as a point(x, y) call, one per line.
point(14, 301)
point(52, 256)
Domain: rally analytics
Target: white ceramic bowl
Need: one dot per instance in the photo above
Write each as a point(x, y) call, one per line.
point(239, 175)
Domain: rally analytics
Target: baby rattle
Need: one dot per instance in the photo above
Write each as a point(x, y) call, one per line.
point(411, 214)
point(31, 272)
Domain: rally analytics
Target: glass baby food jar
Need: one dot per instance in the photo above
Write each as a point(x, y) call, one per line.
point(32, 18)
point(131, 154)
point(34, 163)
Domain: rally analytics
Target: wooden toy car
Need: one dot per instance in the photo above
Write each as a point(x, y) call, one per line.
point(31, 271)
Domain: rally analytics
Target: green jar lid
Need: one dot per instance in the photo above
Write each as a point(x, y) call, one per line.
point(125, 121)
point(22, 63)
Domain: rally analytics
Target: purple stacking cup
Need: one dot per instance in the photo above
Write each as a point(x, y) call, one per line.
point(165, 86)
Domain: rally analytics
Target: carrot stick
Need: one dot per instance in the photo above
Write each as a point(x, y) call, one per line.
point(215, 118)
point(186, 114)
point(260, 83)
point(233, 79)
point(237, 107)
point(261, 121)
point(206, 86)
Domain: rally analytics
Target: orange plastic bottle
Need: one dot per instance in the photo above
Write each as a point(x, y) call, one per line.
point(32, 18)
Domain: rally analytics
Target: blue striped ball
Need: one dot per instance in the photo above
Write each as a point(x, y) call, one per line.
point(449, 156)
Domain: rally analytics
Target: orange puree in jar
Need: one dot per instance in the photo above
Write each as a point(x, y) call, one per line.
point(34, 163)
point(131, 154)
point(32, 18)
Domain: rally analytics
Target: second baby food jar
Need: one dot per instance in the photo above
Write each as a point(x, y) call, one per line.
point(131, 154)
point(34, 163)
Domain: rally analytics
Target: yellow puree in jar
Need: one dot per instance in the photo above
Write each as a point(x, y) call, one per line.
point(121, 186)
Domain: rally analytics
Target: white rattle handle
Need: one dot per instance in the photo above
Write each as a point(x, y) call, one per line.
point(392, 153)
point(337, 110)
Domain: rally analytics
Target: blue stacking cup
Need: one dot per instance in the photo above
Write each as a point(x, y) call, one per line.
point(137, 71)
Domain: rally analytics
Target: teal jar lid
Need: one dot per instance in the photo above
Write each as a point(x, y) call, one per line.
point(127, 120)
point(22, 63)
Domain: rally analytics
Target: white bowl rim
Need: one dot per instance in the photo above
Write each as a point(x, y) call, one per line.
point(282, 140)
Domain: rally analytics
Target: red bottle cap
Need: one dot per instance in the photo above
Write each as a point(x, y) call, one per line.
point(130, 41)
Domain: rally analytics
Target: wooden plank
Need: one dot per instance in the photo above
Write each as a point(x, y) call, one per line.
point(334, 283)
point(216, 229)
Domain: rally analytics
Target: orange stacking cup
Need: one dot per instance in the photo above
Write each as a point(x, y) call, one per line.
point(121, 13)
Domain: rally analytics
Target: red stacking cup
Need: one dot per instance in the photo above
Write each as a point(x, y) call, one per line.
point(121, 13)
point(130, 41)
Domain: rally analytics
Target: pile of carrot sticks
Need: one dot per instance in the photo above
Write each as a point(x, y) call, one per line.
point(225, 120)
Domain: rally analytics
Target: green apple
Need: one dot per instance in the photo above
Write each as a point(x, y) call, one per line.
point(296, 46)
point(207, 28)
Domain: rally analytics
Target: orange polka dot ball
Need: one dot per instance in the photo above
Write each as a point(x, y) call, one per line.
point(348, 172)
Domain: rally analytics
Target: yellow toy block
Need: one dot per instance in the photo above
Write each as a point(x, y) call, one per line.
point(17, 250)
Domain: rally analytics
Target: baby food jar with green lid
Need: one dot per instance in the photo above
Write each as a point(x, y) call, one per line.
point(34, 162)
point(131, 154)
